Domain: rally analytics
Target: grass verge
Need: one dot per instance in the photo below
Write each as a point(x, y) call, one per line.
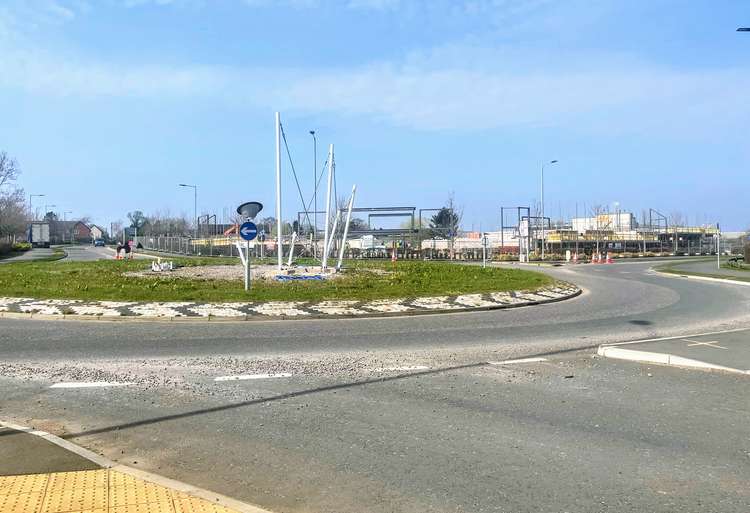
point(104, 280)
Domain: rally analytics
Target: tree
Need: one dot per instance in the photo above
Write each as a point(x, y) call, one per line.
point(50, 217)
point(137, 219)
point(357, 224)
point(8, 169)
point(13, 218)
point(447, 221)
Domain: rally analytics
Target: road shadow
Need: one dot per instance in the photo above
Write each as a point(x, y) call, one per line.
point(301, 393)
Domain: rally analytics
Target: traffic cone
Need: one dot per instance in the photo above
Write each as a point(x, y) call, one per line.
point(609, 258)
point(575, 258)
point(595, 258)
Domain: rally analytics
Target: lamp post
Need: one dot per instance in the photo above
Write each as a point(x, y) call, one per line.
point(195, 205)
point(542, 176)
point(33, 216)
point(743, 29)
point(315, 194)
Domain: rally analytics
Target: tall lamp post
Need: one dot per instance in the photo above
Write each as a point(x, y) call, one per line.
point(195, 205)
point(33, 215)
point(542, 176)
point(315, 194)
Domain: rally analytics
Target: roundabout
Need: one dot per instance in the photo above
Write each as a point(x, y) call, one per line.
point(185, 289)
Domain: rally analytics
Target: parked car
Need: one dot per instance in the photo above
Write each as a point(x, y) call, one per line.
point(99, 243)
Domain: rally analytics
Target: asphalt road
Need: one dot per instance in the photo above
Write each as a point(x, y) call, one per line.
point(405, 414)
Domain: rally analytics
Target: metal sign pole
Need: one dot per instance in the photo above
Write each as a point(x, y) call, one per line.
point(247, 265)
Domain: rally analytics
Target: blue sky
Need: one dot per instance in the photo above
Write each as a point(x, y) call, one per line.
point(109, 104)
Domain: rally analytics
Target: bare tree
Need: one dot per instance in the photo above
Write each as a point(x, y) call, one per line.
point(13, 217)
point(8, 169)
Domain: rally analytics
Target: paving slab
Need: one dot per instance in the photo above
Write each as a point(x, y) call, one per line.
point(24, 453)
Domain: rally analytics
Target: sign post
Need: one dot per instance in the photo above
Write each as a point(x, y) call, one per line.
point(248, 231)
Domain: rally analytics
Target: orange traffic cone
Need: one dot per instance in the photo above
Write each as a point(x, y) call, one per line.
point(609, 258)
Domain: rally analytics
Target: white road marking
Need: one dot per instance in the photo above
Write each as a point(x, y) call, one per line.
point(90, 384)
point(241, 377)
point(735, 330)
point(520, 360)
point(709, 344)
point(405, 368)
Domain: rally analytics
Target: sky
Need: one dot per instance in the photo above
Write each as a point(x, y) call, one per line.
point(109, 104)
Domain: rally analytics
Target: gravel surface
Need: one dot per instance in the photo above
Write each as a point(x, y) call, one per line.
point(234, 272)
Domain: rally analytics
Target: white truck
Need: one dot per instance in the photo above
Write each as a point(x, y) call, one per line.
point(39, 234)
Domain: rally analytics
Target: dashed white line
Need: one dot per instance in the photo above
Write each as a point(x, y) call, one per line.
point(241, 377)
point(520, 360)
point(90, 384)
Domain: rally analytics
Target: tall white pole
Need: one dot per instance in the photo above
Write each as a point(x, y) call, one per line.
point(278, 190)
point(346, 226)
point(542, 211)
point(328, 202)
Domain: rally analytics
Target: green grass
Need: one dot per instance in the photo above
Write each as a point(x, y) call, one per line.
point(104, 280)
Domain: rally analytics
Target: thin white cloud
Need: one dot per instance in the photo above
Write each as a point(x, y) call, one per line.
point(425, 97)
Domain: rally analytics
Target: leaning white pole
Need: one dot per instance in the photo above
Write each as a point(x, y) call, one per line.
point(278, 191)
point(346, 227)
point(328, 206)
point(291, 249)
point(331, 239)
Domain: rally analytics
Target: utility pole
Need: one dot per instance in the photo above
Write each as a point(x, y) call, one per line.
point(195, 206)
point(542, 187)
point(278, 191)
point(31, 210)
point(315, 195)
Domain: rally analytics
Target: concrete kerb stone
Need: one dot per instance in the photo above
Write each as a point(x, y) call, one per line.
point(301, 310)
point(103, 462)
point(667, 359)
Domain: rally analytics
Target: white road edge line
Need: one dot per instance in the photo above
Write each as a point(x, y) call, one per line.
point(661, 359)
point(520, 360)
point(242, 377)
point(91, 384)
point(221, 500)
point(676, 337)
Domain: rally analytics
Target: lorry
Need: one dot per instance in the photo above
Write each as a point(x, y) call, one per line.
point(39, 234)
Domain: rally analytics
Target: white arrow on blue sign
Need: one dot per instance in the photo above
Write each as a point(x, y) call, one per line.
point(248, 230)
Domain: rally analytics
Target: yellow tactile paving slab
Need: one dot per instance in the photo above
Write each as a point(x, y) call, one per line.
point(95, 491)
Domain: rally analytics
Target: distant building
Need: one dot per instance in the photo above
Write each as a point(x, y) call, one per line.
point(96, 232)
point(65, 232)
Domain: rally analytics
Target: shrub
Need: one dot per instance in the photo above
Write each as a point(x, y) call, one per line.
point(21, 246)
point(5, 248)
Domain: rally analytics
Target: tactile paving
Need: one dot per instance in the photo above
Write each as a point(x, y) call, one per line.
point(95, 491)
point(21, 502)
point(80, 479)
point(138, 493)
point(74, 499)
point(195, 505)
point(23, 484)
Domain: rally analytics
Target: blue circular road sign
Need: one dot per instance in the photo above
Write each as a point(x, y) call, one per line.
point(248, 230)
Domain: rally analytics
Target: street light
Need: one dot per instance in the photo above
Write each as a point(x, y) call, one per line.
point(543, 237)
point(30, 206)
point(195, 205)
point(743, 29)
point(315, 194)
